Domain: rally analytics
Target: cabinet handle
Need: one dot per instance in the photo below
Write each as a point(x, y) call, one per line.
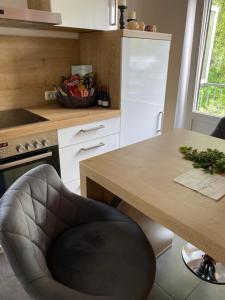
point(92, 148)
point(112, 12)
point(91, 129)
point(160, 121)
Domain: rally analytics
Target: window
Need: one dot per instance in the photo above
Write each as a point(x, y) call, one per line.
point(211, 89)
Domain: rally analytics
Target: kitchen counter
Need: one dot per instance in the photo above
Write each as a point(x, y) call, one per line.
point(59, 117)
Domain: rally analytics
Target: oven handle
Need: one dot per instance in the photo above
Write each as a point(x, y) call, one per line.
point(24, 161)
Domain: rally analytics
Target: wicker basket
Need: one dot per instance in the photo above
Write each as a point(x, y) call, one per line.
point(75, 102)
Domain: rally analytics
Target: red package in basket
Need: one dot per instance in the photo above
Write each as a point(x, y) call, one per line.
point(72, 86)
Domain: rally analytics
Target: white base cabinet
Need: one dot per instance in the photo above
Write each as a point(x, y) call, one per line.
point(82, 142)
point(71, 156)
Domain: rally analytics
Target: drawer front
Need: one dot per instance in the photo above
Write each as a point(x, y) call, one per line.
point(72, 155)
point(86, 132)
point(74, 186)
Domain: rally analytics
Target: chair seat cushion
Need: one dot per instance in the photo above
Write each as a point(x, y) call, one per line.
point(110, 258)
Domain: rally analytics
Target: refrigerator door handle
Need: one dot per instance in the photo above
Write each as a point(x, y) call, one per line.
point(160, 122)
point(112, 12)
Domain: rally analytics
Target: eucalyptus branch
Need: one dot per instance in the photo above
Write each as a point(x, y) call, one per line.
point(212, 161)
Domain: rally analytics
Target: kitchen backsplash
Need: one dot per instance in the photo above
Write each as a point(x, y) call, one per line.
point(29, 66)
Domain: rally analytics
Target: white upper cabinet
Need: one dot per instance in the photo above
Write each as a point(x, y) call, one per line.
point(88, 14)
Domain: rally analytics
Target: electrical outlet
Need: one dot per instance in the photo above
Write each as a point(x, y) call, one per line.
point(50, 95)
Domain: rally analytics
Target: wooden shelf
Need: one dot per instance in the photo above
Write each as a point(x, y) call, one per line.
point(27, 25)
point(123, 33)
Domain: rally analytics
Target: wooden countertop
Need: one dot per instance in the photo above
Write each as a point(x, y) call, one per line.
point(142, 175)
point(59, 117)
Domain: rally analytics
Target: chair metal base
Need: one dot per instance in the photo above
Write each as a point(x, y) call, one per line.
point(202, 265)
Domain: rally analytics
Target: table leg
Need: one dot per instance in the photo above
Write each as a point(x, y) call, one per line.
point(202, 265)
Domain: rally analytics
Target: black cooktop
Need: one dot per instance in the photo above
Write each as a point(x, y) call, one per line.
point(17, 117)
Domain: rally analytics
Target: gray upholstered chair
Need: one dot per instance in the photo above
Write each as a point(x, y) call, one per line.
point(219, 131)
point(65, 247)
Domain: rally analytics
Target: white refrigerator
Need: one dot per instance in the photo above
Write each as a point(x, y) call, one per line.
point(143, 88)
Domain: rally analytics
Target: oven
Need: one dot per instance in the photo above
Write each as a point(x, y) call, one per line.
point(21, 155)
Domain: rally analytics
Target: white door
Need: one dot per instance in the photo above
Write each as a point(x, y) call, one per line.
point(144, 77)
point(88, 14)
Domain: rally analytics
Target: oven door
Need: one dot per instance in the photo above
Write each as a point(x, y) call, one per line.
point(12, 168)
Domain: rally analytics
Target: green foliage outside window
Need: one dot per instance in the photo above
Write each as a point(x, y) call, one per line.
point(217, 67)
point(212, 98)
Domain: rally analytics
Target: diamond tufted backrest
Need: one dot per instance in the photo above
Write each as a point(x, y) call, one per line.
point(219, 131)
point(35, 209)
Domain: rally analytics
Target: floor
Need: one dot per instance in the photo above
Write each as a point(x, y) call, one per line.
point(173, 280)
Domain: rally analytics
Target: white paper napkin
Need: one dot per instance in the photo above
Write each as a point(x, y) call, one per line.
point(212, 186)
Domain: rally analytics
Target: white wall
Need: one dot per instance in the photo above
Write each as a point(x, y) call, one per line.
point(136, 5)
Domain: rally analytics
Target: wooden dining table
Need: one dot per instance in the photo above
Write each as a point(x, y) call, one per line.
point(143, 174)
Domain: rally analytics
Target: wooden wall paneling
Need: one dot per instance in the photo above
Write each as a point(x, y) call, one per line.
point(39, 4)
point(30, 66)
point(103, 51)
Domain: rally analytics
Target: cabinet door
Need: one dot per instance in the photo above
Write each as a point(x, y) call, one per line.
point(144, 77)
point(87, 14)
point(86, 132)
point(71, 156)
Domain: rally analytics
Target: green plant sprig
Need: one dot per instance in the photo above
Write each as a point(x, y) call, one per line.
point(212, 161)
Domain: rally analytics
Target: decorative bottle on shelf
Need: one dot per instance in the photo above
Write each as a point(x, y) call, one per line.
point(100, 96)
point(106, 99)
